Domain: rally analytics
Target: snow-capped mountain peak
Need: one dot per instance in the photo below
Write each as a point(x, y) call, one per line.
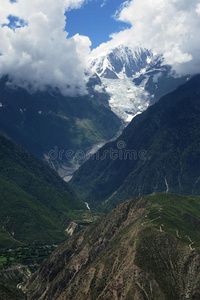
point(120, 60)
point(134, 78)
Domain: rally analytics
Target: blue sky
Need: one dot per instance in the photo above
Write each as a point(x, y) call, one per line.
point(95, 20)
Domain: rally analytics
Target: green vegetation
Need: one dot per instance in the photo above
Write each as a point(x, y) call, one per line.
point(164, 142)
point(177, 215)
point(42, 121)
point(6, 240)
point(31, 256)
point(139, 250)
point(36, 203)
point(84, 217)
point(36, 208)
point(152, 255)
point(8, 292)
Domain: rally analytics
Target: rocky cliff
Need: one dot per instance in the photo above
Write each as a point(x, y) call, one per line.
point(146, 248)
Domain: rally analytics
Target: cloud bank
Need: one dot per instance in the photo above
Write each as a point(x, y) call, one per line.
point(171, 28)
point(35, 51)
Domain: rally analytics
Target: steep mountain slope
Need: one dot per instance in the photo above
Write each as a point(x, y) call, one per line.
point(147, 248)
point(11, 294)
point(36, 204)
point(158, 151)
point(121, 60)
point(134, 78)
point(44, 121)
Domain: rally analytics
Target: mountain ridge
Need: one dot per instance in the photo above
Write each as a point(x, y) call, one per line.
point(134, 252)
point(37, 204)
point(166, 134)
point(41, 121)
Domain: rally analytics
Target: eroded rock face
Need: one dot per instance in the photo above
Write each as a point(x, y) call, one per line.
point(9, 289)
point(71, 228)
point(124, 255)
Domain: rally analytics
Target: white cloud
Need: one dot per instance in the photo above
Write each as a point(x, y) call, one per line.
point(40, 53)
point(104, 3)
point(168, 27)
point(198, 9)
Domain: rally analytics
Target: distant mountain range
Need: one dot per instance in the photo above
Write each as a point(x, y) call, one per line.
point(146, 248)
point(157, 152)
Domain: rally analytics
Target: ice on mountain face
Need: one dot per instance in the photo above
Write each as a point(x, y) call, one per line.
point(149, 60)
point(118, 68)
point(126, 99)
point(133, 77)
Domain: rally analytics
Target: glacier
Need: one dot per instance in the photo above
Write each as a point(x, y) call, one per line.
point(134, 78)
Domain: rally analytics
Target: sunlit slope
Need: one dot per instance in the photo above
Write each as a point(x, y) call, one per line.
point(146, 248)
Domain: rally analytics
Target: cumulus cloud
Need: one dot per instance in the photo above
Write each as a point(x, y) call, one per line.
point(35, 51)
point(171, 28)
